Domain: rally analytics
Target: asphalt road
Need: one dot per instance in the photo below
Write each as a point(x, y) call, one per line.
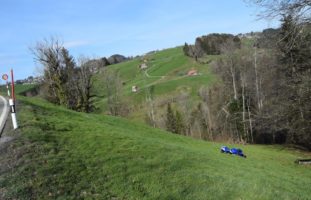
point(4, 110)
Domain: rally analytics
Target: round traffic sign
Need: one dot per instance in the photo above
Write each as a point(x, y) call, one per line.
point(5, 77)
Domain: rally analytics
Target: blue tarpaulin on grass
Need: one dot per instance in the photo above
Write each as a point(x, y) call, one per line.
point(235, 151)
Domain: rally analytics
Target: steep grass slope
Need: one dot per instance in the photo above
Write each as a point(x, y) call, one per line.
point(62, 154)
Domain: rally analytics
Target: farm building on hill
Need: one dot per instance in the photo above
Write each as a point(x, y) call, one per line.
point(192, 72)
point(134, 88)
point(143, 66)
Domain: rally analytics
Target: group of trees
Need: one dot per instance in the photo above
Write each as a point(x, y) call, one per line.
point(64, 82)
point(69, 83)
point(210, 45)
point(189, 118)
point(113, 87)
point(264, 95)
point(292, 104)
point(174, 122)
point(247, 82)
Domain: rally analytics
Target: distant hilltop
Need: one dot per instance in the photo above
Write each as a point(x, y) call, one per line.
point(30, 80)
point(215, 43)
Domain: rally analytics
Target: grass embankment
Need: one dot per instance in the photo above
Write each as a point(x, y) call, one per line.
point(18, 89)
point(62, 154)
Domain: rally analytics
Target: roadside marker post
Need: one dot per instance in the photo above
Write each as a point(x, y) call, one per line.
point(13, 115)
point(12, 103)
point(11, 99)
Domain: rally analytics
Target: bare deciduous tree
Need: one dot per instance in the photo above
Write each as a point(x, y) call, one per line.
point(64, 83)
point(115, 101)
point(50, 54)
point(84, 82)
point(271, 8)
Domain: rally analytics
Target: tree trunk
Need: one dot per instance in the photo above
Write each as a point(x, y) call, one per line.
point(243, 103)
point(209, 122)
point(250, 122)
point(51, 83)
point(256, 79)
point(260, 94)
point(151, 112)
point(233, 81)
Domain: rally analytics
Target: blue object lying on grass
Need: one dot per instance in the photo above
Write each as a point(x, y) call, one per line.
point(234, 151)
point(225, 149)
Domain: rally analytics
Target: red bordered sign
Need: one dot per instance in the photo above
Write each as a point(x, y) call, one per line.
point(5, 77)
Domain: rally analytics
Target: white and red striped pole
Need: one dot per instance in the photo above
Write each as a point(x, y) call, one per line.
point(12, 102)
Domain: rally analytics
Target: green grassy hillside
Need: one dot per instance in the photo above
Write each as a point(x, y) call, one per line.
point(167, 73)
point(62, 154)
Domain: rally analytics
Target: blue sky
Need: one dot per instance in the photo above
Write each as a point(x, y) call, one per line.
point(98, 28)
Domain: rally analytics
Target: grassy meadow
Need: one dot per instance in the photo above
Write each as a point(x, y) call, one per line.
point(166, 73)
point(62, 154)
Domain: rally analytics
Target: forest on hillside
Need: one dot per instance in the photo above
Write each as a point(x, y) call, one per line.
point(264, 94)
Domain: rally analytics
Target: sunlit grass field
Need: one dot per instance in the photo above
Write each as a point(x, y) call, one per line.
point(167, 74)
point(63, 154)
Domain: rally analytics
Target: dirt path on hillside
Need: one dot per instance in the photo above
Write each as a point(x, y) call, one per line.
point(148, 76)
point(162, 77)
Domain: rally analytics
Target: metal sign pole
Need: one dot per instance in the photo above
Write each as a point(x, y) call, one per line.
point(5, 77)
